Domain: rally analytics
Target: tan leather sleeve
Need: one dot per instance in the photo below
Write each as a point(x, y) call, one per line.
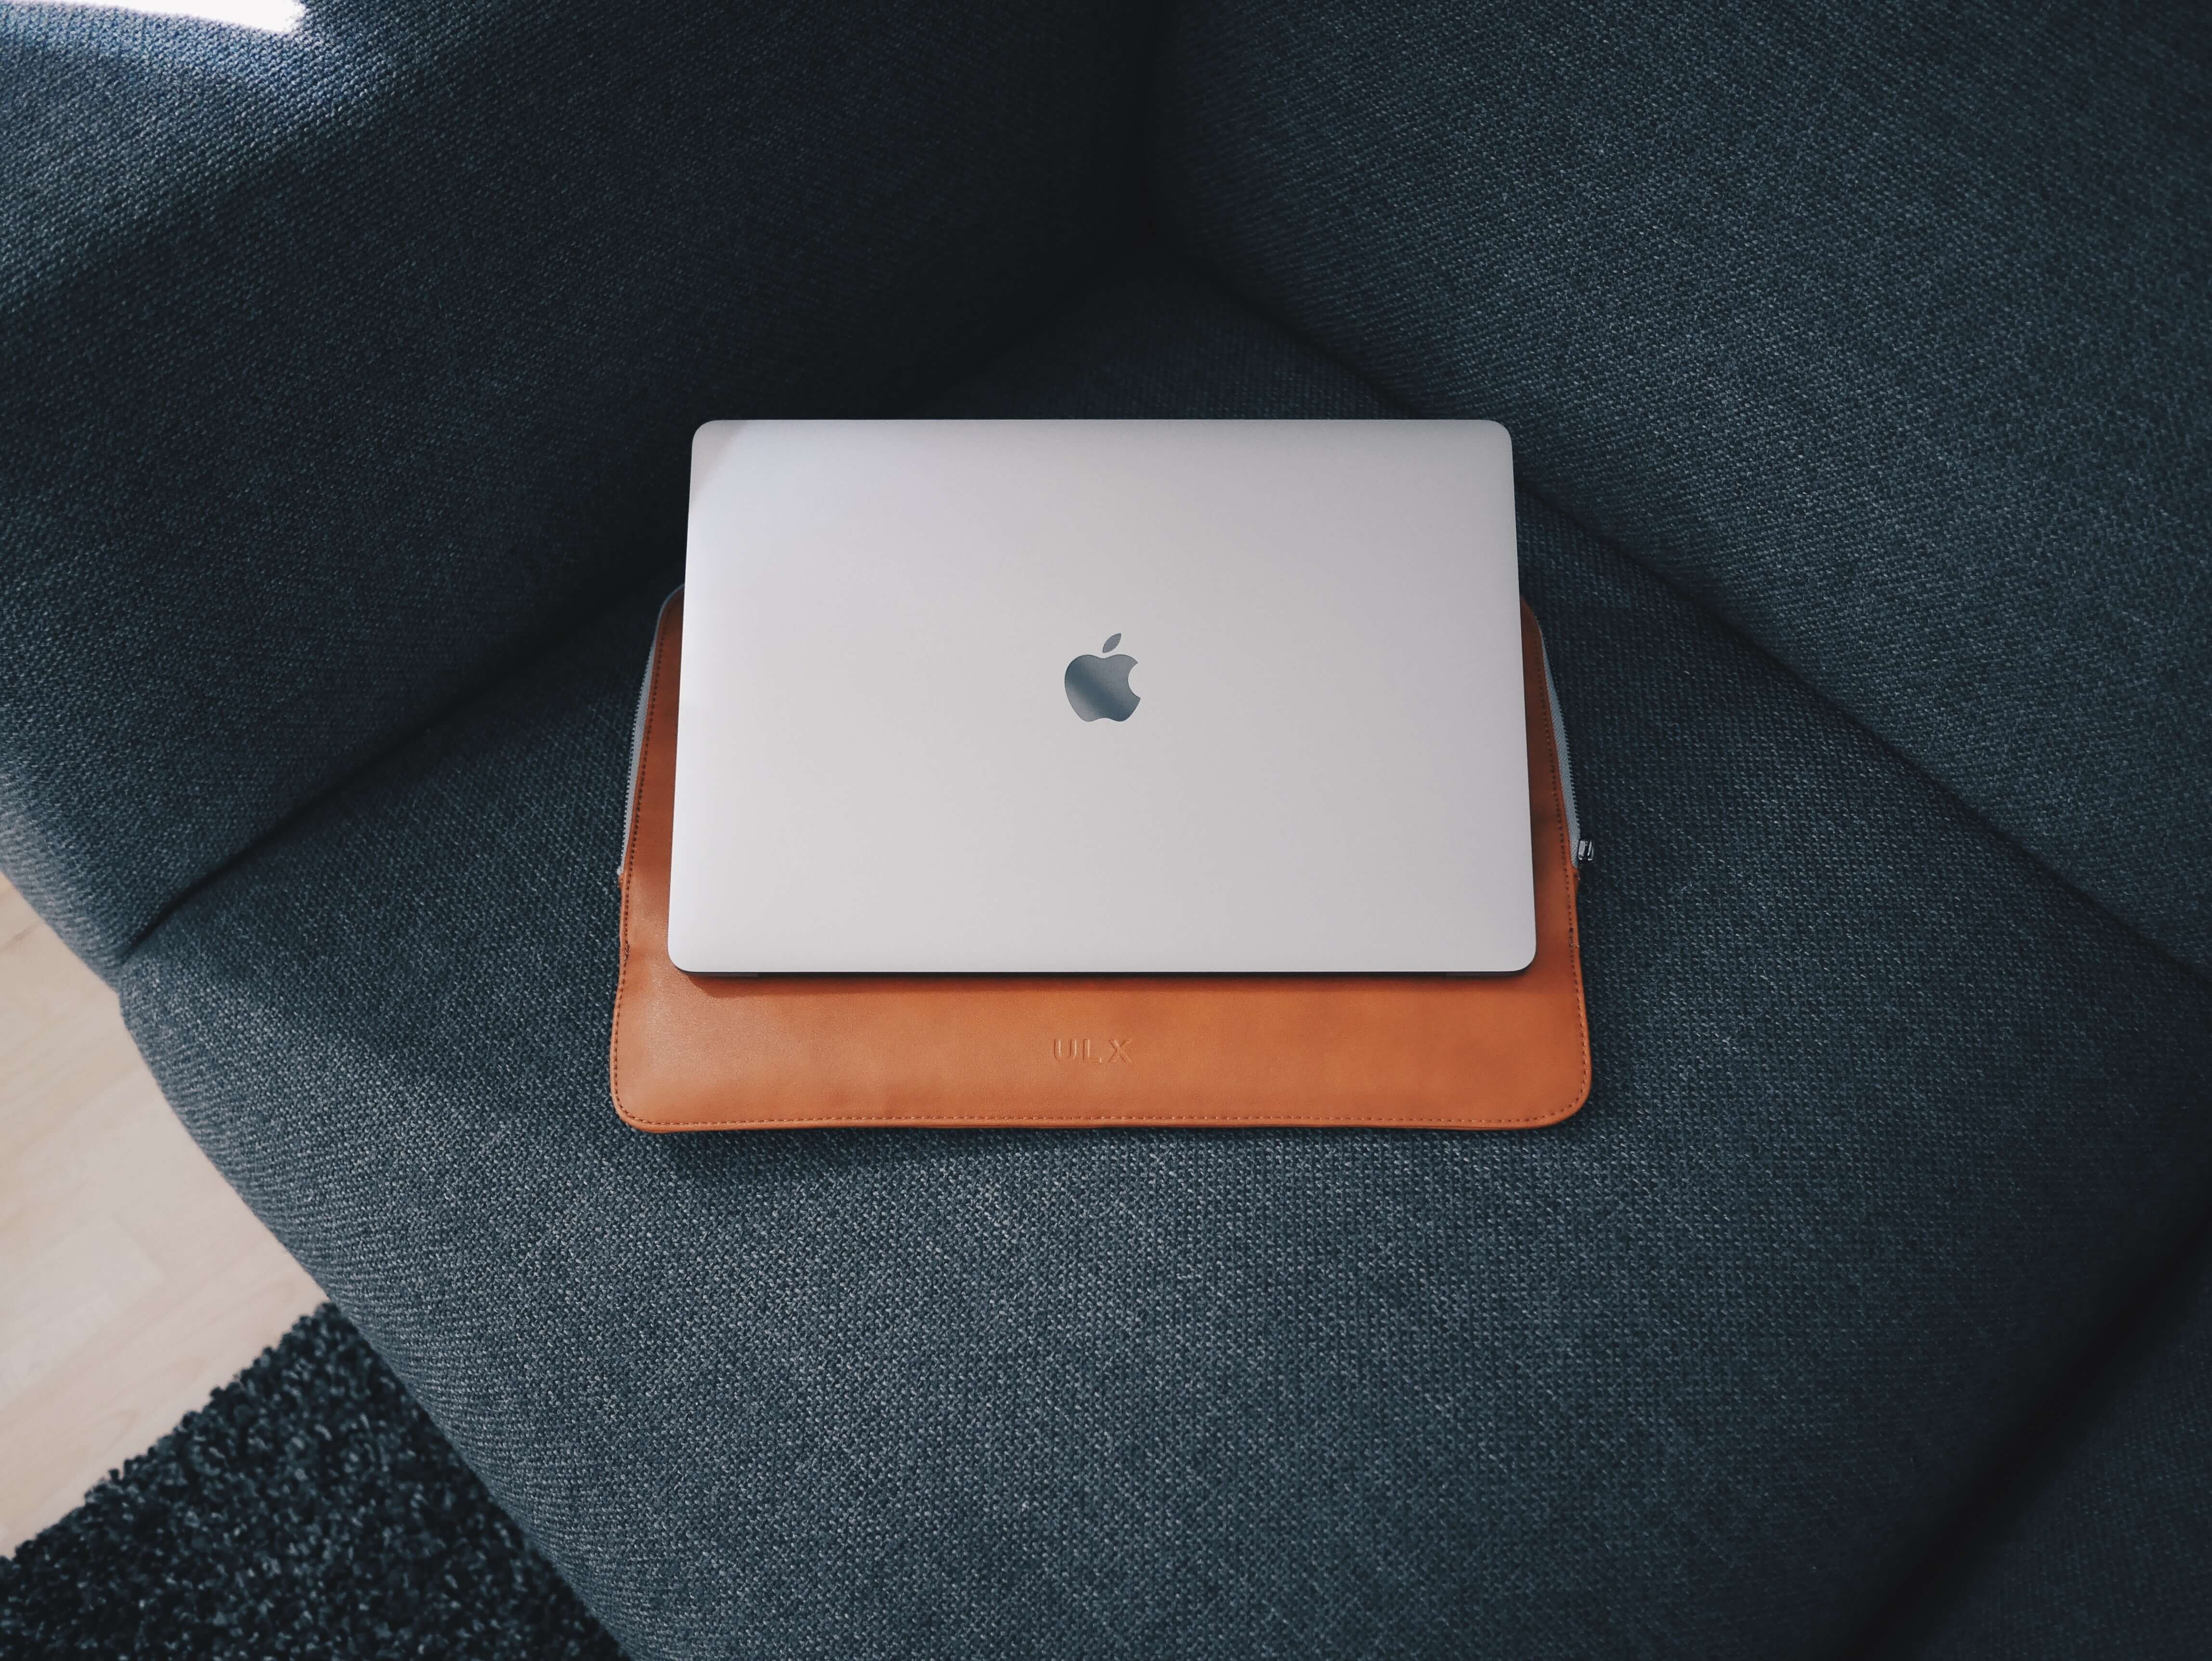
point(752, 1053)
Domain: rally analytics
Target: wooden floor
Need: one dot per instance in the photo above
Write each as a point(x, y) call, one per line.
point(133, 1280)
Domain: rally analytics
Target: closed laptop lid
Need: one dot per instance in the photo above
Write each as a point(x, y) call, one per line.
point(1141, 696)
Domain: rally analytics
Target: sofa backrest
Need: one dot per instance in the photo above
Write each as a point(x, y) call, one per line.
point(1883, 329)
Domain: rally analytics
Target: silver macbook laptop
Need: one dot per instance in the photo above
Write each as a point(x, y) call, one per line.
point(1102, 696)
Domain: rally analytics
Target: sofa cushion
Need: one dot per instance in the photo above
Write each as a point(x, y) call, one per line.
point(1883, 1116)
point(1883, 331)
point(341, 369)
point(2104, 1546)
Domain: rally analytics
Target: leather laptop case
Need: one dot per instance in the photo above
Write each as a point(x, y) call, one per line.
point(790, 1051)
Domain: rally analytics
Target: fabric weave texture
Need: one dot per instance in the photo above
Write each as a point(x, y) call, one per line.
point(1698, 1371)
point(2105, 1546)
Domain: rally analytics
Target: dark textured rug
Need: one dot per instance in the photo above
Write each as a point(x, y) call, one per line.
point(310, 1510)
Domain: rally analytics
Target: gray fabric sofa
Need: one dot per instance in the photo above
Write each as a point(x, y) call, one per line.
point(1857, 365)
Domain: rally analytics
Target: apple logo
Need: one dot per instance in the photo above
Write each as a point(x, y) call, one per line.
point(1100, 686)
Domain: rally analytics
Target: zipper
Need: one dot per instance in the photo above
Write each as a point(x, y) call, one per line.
point(637, 728)
point(1582, 850)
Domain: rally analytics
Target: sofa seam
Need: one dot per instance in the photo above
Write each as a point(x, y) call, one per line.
point(594, 608)
point(1727, 622)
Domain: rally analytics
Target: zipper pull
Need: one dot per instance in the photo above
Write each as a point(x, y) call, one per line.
point(1581, 848)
